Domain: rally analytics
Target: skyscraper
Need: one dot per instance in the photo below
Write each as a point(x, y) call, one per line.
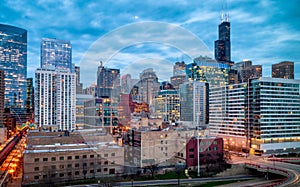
point(222, 45)
point(179, 74)
point(79, 86)
point(283, 70)
point(56, 53)
point(13, 60)
point(108, 82)
point(194, 103)
point(55, 86)
point(148, 86)
point(55, 99)
point(262, 115)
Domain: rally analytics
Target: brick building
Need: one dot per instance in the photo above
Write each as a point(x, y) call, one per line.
point(54, 157)
point(210, 151)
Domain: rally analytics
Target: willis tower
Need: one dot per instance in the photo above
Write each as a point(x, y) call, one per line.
point(222, 45)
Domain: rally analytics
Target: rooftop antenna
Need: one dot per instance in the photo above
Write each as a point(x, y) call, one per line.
point(224, 16)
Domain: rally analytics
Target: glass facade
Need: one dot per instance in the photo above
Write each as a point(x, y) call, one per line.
point(56, 53)
point(222, 46)
point(208, 70)
point(167, 105)
point(108, 82)
point(275, 114)
point(13, 60)
point(283, 70)
point(266, 114)
point(194, 104)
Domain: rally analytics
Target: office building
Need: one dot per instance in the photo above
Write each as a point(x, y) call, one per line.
point(283, 70)
point(263, 116)
point(108, 82)
point(79, 85)
point(56, 54)
point(275, 115)
point(55, 99)
point(80, 99)
point(126, 84)
point(194, 103)
point(246, 70)
point(167, 105)
point(205, 69)
point(91, 90)
point(147, 87)
point(228, 114)
point(13, 61)
point(222, 45)
point(157, 147)
point(56, 157)
point(179, 74)
point(30, 100)
point(101, 112)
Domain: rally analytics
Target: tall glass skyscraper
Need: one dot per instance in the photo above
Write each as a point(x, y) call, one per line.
point(13, 60)
point(56, 53)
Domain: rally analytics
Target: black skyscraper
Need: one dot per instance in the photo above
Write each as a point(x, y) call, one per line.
point(222, 46)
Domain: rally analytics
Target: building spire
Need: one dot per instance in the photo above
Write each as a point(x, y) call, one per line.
point(224, 16)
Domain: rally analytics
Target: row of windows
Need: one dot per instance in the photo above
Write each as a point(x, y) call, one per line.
point(53, 175)
point(62, 166)
point(71, 157)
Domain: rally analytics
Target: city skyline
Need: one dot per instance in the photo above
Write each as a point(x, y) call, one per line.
point(265, 32)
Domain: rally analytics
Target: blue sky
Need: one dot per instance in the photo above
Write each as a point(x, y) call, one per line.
point(265, 32)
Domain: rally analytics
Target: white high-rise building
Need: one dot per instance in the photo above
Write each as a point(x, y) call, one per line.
point(262, 115)
point(55, 99)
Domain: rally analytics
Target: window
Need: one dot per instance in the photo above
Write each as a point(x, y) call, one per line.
point(215, 142)
point(69, 157)
point(61, 158)
point(215, 148)
point(44, 176)
point(99, 155)
point(208, 143)
point(69, 173)
point(91, 171)
point(36, 177)
point(69, 165)
point(61, 175)
point(106, 155)
point(53, 167)
point(53, 159)
point(191, 150)
point(84, 164)
point(92, 163)
point(36, 169)
point(201, 143)
point(76, 172)
point(91, 156)
point(61, 166)
point(76, 165)
point(191, 156)
point(77, 157)
point(36, 160)
point(105, 169)
point(83, 156)
point(45, 159)
point(113, 154)
point(106, 163)
point(161, 142)
point(45, 168)
point(208, 149)
point(98, 170)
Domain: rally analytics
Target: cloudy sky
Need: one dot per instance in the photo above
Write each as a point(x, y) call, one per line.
point(134, 35)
